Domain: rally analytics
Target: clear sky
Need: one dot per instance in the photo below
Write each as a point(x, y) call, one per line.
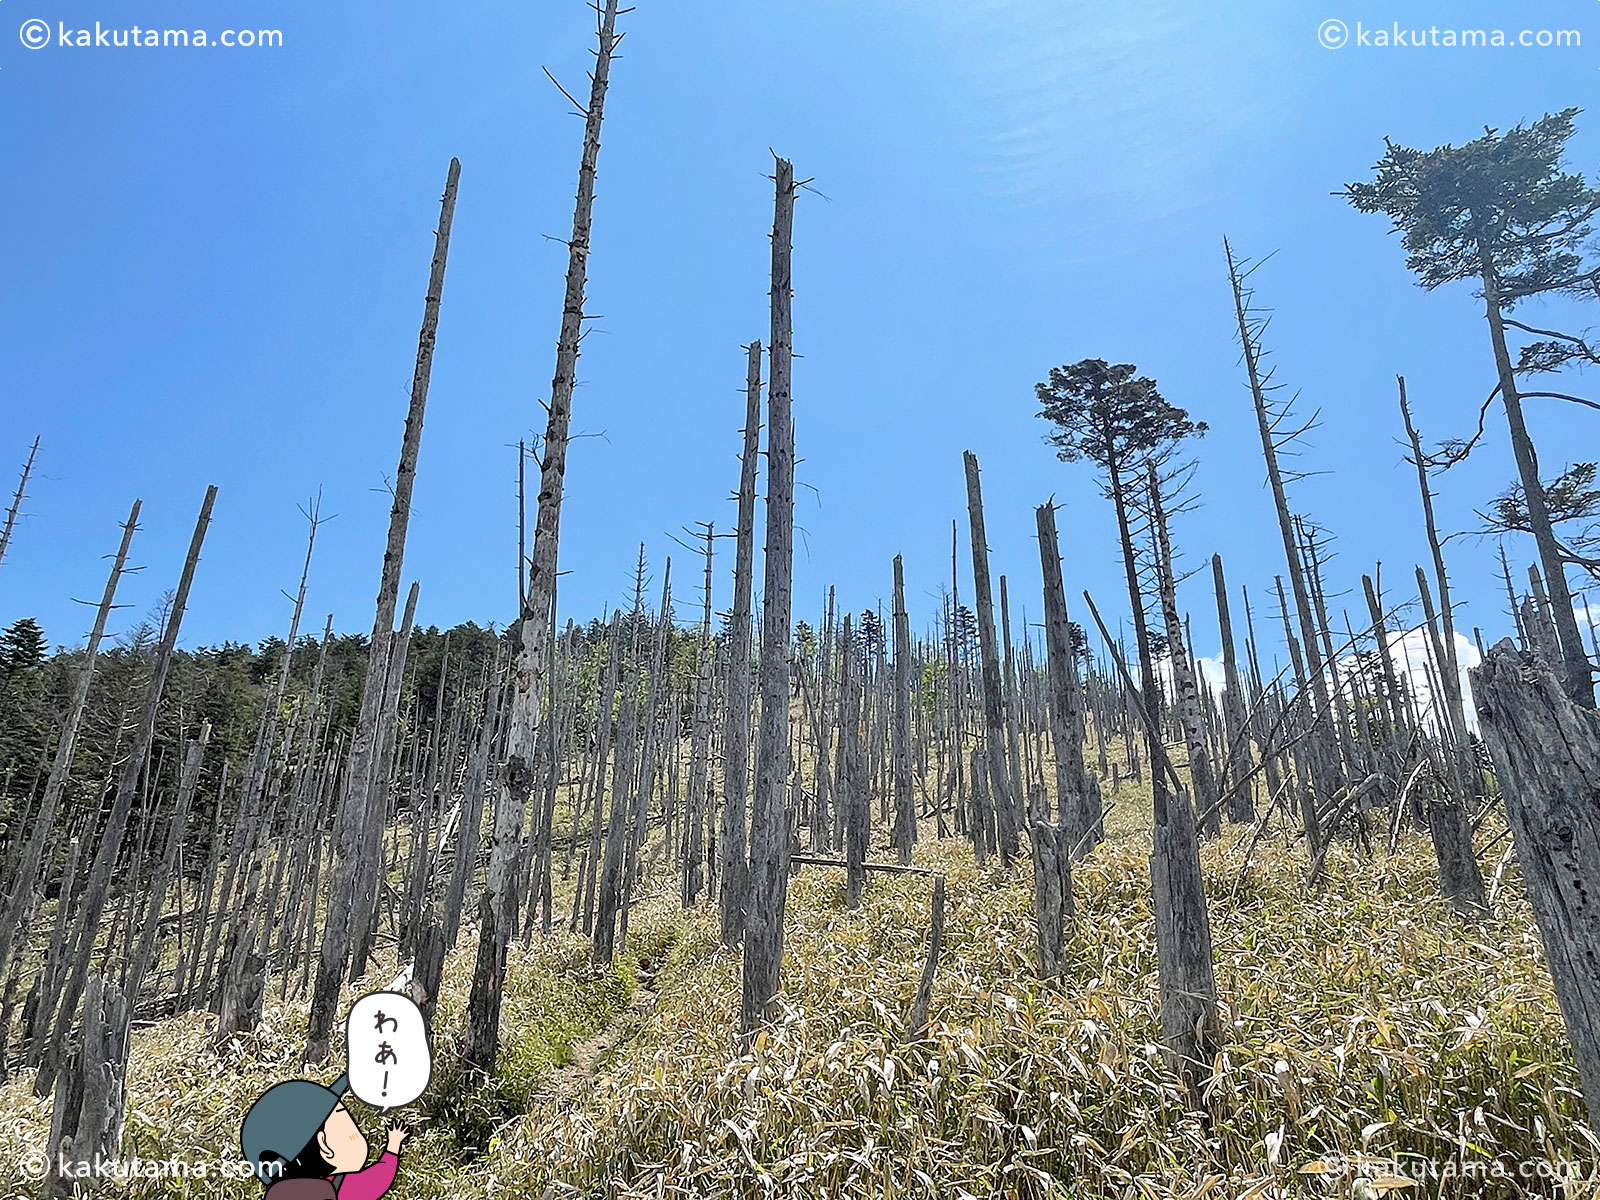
point(216, 260)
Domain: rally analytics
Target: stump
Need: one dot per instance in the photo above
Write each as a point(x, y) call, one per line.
point(917, 1019)
point(91, 1093)
point(1546, 753)
point(1052, 891)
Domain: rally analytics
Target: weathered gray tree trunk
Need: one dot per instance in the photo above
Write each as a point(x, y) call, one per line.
point(1546, 751)
point(1236, 766)
point(650, 757)
point(851, 773)
point(97, 889)
point(368, 879)
point(1449, 824)
point(769, 819)
point(1053, 905)
point(917, 1020)
point(1002, 794)
point(91, 1094)
point(16, 507)
point(1325, 768)
point(156, 896)
point(905, 811)
point(496, 908)
point(700, 753)
point(1186, 693)
point(1077, 792)
point(21, 896)
point(1184, 958)
point(734, 884)
point(1183, 945)
point(351, 822)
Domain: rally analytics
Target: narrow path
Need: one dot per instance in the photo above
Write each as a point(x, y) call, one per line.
point(566, 1083)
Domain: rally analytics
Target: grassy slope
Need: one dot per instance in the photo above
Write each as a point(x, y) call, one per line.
point(1361, 1019)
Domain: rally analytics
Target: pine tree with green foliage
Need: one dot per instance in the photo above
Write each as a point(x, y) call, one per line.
point(1501, 210)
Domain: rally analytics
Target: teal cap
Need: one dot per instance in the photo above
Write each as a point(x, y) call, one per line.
point(283, 1121)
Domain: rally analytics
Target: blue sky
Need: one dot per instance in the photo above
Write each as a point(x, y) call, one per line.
point(217, 260)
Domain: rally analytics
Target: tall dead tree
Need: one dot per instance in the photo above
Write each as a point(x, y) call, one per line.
point(97, 888)
point(1546, 752)
point(1185, 962)
point(16, 504)
point(496, 909)
point(905, 811)
point(695, 812)
point(1236, 763)
point(734, 884)
point(350, 826)
point(1002, 794)
point(1186, 692)
point(769, 818)
point(1077, 791)
point(20, 899)
point(1324, 756)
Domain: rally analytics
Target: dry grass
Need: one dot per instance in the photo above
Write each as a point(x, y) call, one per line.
point(1362, 1019)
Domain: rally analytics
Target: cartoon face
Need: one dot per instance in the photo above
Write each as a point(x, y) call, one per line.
point(341, 1142)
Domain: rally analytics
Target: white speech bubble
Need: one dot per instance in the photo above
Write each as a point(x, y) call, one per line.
point(390, 1058)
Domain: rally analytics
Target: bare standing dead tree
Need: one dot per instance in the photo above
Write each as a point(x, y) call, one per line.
point(97, 888)
point(734, 884)
point(496, 908)
point(353, 814)
point(1001, 790)
point(769, 818)
point(16, 502)
point(20, 899)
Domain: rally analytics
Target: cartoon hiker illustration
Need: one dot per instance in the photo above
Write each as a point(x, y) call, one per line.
point(305, 1145)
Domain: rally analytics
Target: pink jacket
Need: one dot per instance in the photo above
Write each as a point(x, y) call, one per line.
point(371, 1182)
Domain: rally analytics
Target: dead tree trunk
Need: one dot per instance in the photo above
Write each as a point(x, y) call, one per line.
point(20, 898)
point(1546, 751)
point(16, 503)
point(1184, 954)
point(97, 889)
point(917, 1020)
point(905, 812)
point(1186, 693)
point(1078, 795)
point(188, 781)
point(734, 887)
point(1326, 767)
point(1052, 892)
point(91, 1095)
point(351, 821)
point(852, 778)
point(694, 823)
point(1003, 795)
point(1236, 766)
point(769, 819)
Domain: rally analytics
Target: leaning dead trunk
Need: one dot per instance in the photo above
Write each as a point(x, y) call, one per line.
point(16, 501)
point(351, 822)
point(1546, 752)
point(97, 889)
point(20, 897)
